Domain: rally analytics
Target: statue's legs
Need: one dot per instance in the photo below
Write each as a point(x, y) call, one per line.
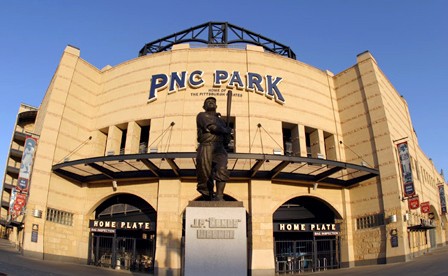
point(220, 191)
point(221, 174)
point(206, 190)
point(204, 172)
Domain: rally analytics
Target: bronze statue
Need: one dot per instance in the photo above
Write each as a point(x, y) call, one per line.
point(213, 137)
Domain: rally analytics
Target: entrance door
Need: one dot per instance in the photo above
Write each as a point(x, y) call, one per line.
point(432, 237)
point(306, 236)
point(306, 255)
point(123, 234)
point(126, 253)
point(101, 250)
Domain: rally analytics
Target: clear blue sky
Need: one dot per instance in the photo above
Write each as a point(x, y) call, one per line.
point(409, 40)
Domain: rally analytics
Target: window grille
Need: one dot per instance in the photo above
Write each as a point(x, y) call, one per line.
point(60, 217)
point(370, 221)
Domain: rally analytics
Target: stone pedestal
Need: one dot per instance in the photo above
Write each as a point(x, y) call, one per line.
point(215, 239)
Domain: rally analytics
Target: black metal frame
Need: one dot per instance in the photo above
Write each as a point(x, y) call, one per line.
point(298, 256)
point(217, 33)
point(291, 169)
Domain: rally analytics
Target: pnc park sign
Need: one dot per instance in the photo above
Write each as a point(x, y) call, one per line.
point(250, 82)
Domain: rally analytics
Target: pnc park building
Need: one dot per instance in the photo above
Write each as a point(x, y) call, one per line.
point(326, 165)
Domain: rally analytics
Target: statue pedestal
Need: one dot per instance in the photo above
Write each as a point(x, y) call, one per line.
point(215, 238)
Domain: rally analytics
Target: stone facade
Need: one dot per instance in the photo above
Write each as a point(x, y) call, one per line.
point(355, 116)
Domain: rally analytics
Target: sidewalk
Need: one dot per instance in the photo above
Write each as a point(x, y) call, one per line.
point(433, 263)
point(13, 263)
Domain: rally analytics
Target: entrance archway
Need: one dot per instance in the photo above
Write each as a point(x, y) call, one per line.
point(306, 235)
point(123, 234)
point(434, 223)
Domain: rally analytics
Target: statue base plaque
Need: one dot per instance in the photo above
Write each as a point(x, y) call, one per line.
point(215, 238)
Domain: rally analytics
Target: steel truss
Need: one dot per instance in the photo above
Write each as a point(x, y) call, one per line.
point(218, 34)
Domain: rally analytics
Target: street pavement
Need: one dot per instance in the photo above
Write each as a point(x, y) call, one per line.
point(434, 263)
point(12, 263)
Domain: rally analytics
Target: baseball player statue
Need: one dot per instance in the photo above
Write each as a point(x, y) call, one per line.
point(213, 137)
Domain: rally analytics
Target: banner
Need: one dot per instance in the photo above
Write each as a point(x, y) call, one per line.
point(19, 205)
point(19, 193)
point(414, 203)
point(406, 171)
point(425, 207)
point(442, 198)
point(26, 165)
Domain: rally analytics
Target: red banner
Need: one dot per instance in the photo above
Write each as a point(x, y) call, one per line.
point(19, 204)
point(425, 207)
point(414, 203)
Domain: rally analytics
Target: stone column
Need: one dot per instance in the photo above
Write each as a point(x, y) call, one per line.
point(317, 143)
point(132, 138)
point(346, 237)
point(295, 139)
point(262, 257)
point(331, 148)
point(113, 140)
point(302, 141)
point(169, 228)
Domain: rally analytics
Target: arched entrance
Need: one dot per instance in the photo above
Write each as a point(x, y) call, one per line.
point(306, 236)
point(123, 234)
point(434, 229)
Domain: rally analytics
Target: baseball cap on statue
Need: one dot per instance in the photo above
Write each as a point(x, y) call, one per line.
point(210, 98)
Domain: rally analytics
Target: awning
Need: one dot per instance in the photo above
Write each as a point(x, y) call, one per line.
point(420, 227)
point(27, 116)
point(242, 166)
point(11, 224)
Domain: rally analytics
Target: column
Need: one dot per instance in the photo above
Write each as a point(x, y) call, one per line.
point(113, 141)
point(262, 228)
point(169, 228)
point(132, 138)
point(302, 141)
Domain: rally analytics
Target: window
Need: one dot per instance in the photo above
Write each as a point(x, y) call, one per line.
point(124, 133)
point(370, 221)
point(290, 139)
point(60, 217)
point(144, 139)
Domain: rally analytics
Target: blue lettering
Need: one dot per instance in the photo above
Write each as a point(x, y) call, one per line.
point(158, 82)
point(178, 81)
point(220, 77)
point(195, 79)
point(272, 89)
point(254, 82)
point(236, 79)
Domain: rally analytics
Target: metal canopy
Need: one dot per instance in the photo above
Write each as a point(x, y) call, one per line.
point(217, 33)
point(242, 166)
